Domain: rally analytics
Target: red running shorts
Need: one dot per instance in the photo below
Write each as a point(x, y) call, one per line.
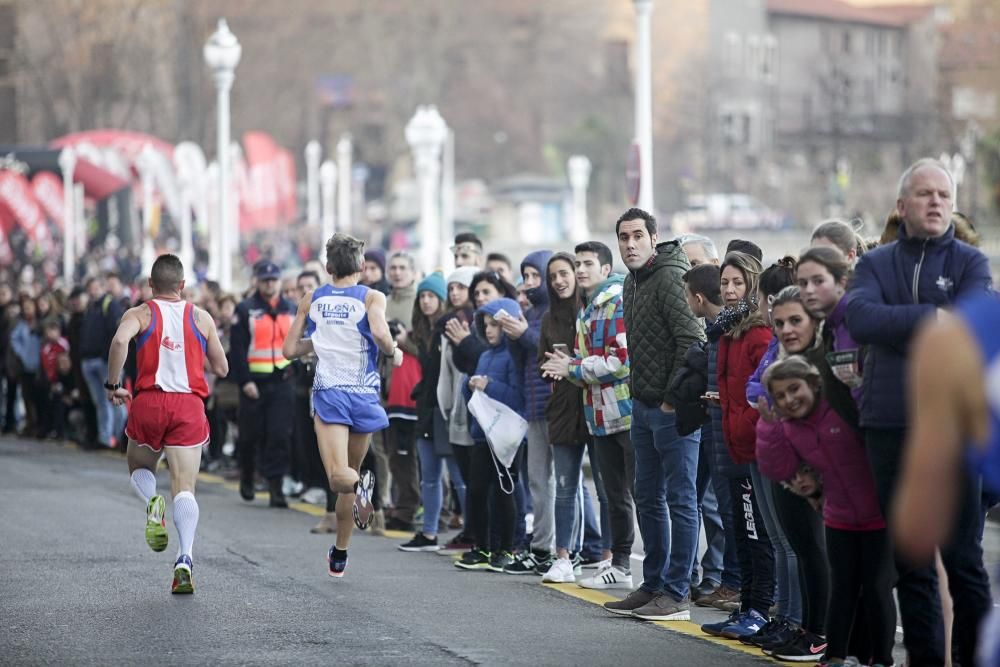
point(160, 419)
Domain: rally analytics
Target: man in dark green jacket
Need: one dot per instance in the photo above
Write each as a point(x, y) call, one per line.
point(660, 327)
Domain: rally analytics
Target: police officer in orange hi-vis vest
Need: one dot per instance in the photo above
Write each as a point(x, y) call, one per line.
point(267, 394)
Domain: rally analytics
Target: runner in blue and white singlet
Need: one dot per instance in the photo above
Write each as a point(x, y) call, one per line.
point(344, 325)
point(346, 387)
point(953, 441)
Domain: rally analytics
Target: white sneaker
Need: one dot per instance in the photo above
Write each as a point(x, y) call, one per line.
point(561, 572)
point(608, 577)
point(314, 496)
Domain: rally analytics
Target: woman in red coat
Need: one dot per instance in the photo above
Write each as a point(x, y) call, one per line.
point(740, 351)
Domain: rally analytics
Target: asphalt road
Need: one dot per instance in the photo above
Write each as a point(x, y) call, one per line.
point(79, 586)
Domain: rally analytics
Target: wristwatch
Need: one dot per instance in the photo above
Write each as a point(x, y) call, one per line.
point(113, 387)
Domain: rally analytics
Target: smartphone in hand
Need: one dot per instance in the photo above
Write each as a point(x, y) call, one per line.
point(561, 348)
point(501, 315)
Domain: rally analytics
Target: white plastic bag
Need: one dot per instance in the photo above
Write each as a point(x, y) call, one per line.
point(504, 429)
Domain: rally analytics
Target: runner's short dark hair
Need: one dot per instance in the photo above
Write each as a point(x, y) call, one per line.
point(602, 251)
point(345, 255)
point(167, 274)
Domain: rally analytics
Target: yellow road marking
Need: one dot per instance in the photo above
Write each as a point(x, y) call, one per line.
point(684, 627)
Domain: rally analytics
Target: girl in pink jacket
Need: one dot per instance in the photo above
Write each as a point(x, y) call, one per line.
point(803, 429)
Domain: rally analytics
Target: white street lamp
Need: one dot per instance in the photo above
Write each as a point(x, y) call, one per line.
point(328, 185)
point(313, 154)
point(212, 219)
point(187, 185)
point(222, 54)
point(447, 201)
point(644, 102)
point(344, 156)
point(578, 169)
point(67, 163)
point(426, 133)
point(147, 172)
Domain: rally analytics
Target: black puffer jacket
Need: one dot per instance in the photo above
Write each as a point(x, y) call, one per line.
point(689, 385)
point(659, 323)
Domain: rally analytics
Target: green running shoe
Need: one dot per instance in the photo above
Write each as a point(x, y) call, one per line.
point(156, 525)
point(183, 581)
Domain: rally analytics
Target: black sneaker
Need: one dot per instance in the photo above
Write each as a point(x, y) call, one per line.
point(421, 542)
point(766, 633)
point(804, 647)
point(780, 636)
point(543, 565)
point(477, 559)
point(247, 490)
point(501, 560)
point(458, 545)
point(525, 562)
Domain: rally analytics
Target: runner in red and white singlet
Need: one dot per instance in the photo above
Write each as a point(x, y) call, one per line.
point(173, 340)
point(168, 408)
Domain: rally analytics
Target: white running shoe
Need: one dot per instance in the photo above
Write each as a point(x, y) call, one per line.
point(608, 577)
point(561, 572)
point(314, 496)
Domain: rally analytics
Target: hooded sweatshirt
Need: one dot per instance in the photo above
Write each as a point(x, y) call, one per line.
point(525, 349)
point(497, 364)
point(601, 364)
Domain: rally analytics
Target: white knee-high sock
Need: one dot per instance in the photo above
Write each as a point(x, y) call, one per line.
point(143, 482)
point(186, 520)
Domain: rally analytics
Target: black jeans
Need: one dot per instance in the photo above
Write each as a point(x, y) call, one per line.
point(917, 587)
point(616, 461)
point(463, 457)
point(404, 468)
point(266, 429)
point(803, 527)
point(753, 547)
point(861, 576)
point(484, 485)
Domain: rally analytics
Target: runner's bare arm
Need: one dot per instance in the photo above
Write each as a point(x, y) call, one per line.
point(947, 408)
point(375, 305)
point(295, 345)
point(215, 354)
point(128, 328)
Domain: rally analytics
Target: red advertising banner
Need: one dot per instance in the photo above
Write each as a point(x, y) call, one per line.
point(48, 190)
point(267, 187)
point(6, 224)
point(16, 195)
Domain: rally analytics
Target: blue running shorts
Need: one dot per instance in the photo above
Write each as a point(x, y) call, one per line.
point(361, 413)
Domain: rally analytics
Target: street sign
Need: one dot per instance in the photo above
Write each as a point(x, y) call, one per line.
point(632, 180)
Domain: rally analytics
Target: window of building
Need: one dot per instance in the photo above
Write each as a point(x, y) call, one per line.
point(845, 41)
point(753, 57)
point(769, 59)
point(733, 53)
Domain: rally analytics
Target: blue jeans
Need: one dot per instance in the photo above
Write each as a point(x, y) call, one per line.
point(431, 495)
point(110, 418)
point(568, 463)
point(709, 515)
point(788, 598)
point(666, 466)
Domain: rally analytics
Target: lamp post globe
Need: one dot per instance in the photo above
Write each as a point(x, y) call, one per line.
point(426, 134)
